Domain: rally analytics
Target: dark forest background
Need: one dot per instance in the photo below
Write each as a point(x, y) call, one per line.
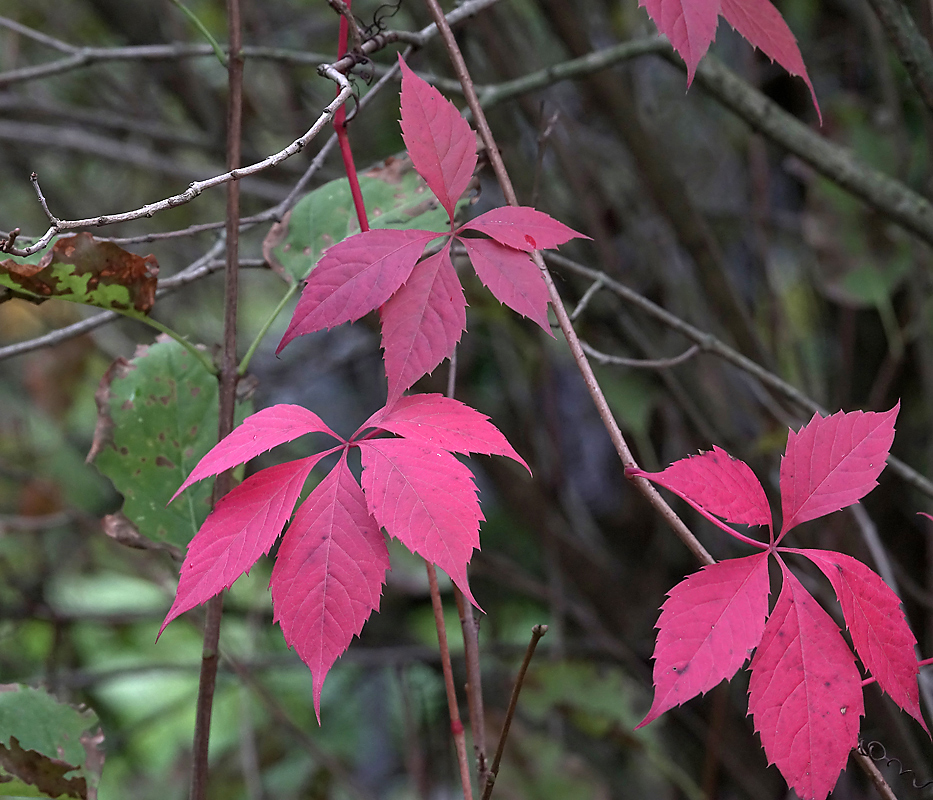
point(717, 217)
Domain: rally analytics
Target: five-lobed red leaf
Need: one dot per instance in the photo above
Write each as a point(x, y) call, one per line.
point(440, 142)
point(422, 322)
point(880, 633)
point(242, 527)
point(328, 574)
point(833, 462)
point(354, 277)
point(805, 694)
point(709, 625)
point(426, 499)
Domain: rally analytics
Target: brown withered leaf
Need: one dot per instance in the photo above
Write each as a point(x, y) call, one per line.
point(85, 270)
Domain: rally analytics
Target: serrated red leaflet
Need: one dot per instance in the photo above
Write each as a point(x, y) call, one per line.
point(439, 421)
point(328, 574)
point(805, 693)
point(718, 483)
point(512, 277)
point(522, 228)
point(833, 462)
point(440, 142)
point(354, 277)
point(764, 27)
point(242, 527)
point(422, 322)
point(426, 499)
point(689, 24)
point(708, 627)
point(873, 614)
point(257, 433)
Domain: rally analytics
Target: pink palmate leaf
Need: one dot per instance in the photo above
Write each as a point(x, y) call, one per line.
point(354, 277)
point(764, 27)
point(422, 322)
point(426, 499)
point(718, 483)
point(805, 693)
point(879, 630)
point(709, 626)
point(512, 277)
point(440, 142)
point(833, 462)
point(523, 228)
point(689, 24)
point(257, 433)
point(438, 421)
point(328, 574)
point(242, 527)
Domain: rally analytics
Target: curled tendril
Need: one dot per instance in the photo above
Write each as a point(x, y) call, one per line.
point(877, 753)
point(381, 14)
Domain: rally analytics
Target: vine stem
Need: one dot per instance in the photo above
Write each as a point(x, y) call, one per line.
point(563, 319)
point(340, 126)
point(536, 633)
point(228, 381)
point(469, 627)
point(456, 725)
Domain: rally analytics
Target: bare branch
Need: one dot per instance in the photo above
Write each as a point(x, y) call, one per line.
point(711, 344)
point(197, 187)
point(39, 134)
point(640, 363)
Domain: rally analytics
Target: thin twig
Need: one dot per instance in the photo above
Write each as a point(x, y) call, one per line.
point(228, 383)
point(641, 363)
point(456, 726)
point(711, 344)
point(874, 775)
point(909, 43)
point(469, 625)
point(197, 187)
point(536, 633)
point(566, 326)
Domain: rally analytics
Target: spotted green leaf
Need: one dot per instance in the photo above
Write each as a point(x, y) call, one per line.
point(157, 417)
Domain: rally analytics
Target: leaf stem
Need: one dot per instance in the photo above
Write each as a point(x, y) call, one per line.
point(563, 319)
point(215, 45)
point(228, 382)
point(536, 633)
point(340, 126)
point(456, 726)
point(200, 355)
point(244, 364)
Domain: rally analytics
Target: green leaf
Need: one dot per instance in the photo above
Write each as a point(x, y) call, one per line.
point(82, 269)
point(157, 417)
point(47, 748)
point(395, 197)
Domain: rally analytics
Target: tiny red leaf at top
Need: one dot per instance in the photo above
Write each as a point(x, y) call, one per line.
point(805, 692)
point(691, 27)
